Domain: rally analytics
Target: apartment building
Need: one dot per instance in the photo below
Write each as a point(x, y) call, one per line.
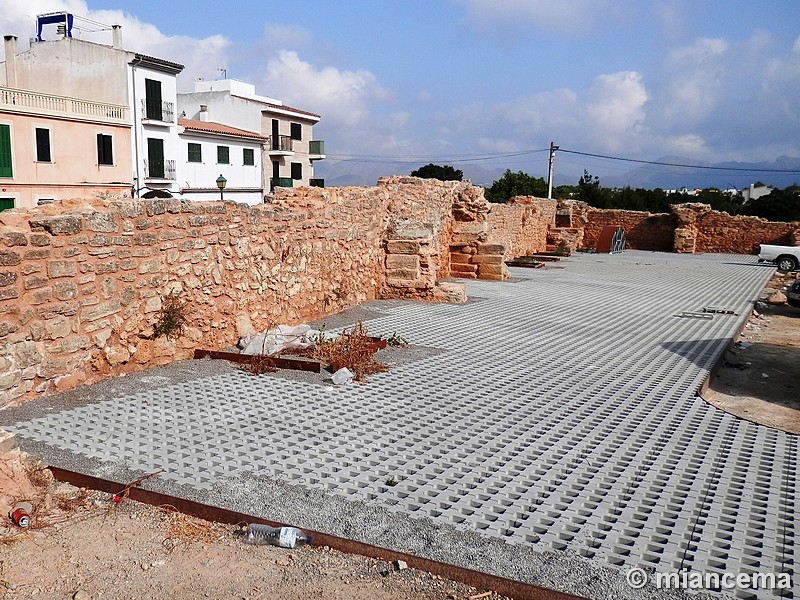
point(290, 150)
point(62, 135)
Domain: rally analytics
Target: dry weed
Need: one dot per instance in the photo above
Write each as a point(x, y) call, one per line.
point(353, 349)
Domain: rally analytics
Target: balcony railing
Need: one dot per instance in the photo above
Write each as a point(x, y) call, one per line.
point(286, 182)
point(158, 110)
point(316, 148)
point(62, 106)
point(159, 169)
point(280, 143)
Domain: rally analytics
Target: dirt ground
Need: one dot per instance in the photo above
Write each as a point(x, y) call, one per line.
point(82, 545)
point(759, 379)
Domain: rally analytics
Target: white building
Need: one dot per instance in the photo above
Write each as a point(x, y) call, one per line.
point(211, 150)
point(290, 150)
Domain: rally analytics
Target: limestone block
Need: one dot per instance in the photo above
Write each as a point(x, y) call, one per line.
point(411, 274)
point(487, 259)
point(449, 291)
point(468, 237)
point(65, 290)
point(104, 222)
point(402, 261)
point(9, 258)
point(488, 248)
point(460, 268)
point(7, 278)
point(403, 247)
point(61, 268)
point(104, 309)
point(116, 355)
point(487, 269)
point(57, 225)
point(460, 257)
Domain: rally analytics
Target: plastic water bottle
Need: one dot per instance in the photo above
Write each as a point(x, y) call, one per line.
point(285, 537)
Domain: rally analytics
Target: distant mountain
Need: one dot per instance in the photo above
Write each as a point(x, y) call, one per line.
point(697, 174)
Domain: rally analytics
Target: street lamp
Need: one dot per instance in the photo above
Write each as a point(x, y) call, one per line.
point(221, 181)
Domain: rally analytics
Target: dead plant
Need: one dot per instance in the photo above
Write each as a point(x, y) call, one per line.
point(172, 317)
point(353, 349)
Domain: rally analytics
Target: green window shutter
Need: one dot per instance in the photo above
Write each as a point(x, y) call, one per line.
point(297, 170)
point(155, 157)
point(223, 155)
point(195, 153)
point(248, 157)
point(152, 94)
point(5, 152)
point(6, 203)
point(297, 131)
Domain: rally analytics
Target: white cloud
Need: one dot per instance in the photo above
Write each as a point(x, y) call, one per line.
point(342, 97)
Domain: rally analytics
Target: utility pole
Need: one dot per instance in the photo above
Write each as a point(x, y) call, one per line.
point(550, 162)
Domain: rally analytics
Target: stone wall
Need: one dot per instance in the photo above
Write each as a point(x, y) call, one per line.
point(83, 282)
point(522, 224)
point(643, 230)
point(690, 227)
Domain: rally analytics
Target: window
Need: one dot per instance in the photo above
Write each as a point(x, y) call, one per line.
point(43, 145)
point(5, 151)
point(6, 203)
point(297, 131)
point(195, 153)
point(105, 152)
point(155, 158)
point(152, 95)
point(248, 157)
point(223, 155)
point(297, 170)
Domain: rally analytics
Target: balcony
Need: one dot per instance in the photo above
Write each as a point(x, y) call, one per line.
point(157, 112)
point(281, 145)
point(21, 101)
point(285, 182)
point(159, 169)
point(316, 150)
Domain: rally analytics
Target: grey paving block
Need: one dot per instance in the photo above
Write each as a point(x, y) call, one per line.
point(560, 414)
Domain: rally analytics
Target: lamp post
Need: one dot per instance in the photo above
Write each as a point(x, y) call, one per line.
point(221, 181)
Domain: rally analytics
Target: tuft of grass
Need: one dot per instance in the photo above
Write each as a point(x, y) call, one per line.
point(172, 318)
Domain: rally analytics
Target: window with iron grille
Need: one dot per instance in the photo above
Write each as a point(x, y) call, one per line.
point(248, 157)
point(195, 153)
point(223, 155)
point(43, 145)
point(105, 152)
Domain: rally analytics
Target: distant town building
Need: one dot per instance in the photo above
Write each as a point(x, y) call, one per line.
point(756, 191)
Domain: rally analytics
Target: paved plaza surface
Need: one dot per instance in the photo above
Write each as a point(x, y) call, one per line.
point(547, 430)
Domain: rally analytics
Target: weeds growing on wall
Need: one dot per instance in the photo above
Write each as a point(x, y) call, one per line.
point(172, 318)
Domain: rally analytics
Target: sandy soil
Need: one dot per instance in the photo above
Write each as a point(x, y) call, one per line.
point(759, 379)
point(83, 545)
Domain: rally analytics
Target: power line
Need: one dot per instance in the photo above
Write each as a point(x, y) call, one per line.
point(666, 164)
point(457, 158)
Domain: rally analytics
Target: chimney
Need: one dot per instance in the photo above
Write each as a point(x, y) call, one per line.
point(204, 113)
point(116, 32)
point(11, 60)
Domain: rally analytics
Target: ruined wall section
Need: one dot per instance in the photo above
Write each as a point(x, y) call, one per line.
point(643, 230)
point(522, 224)
point(81, 290)
point(721, 232)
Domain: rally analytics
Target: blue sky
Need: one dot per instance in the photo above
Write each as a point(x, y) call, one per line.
point(447, 80)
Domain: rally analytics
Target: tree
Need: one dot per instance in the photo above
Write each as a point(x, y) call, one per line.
point(589, 191)
point(442, 173)
point(515, 184)
point(778, 205)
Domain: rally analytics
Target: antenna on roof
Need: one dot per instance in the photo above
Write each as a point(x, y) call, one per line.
point(224, 72)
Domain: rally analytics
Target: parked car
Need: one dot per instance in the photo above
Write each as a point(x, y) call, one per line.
point(786, 258)
point(793, 294)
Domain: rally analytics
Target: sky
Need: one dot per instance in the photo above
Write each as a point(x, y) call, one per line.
point(488, 83)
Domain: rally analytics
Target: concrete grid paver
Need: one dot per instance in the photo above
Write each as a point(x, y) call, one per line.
point(560, 414)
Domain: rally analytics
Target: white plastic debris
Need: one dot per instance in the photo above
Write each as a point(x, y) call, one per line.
point(283, 337)
point(744, 345)
point(343, 376)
